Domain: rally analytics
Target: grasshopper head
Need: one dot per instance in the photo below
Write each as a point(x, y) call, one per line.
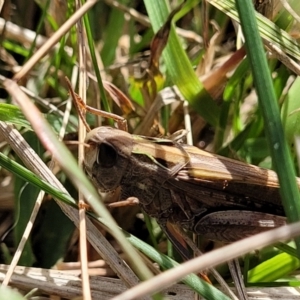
point(107, 156)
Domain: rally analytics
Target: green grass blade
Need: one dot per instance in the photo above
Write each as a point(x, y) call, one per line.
point(9, 293)
point(30, 177)
point(273, 268)
point(179, 67)
point(94, 61)
point(113, 32)
point(270, 110)
point(267, 29)
point(291, 112)
point(13, 114)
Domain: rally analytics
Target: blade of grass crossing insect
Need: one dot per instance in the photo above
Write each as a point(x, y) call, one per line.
point(179, 67)
point(200, 286)
point(30, 177)
point(270, 110)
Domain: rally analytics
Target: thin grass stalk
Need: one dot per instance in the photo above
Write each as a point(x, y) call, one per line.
point(90, 41)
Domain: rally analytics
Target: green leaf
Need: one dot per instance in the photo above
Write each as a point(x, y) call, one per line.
point(267, 29)
point(8, 293)
point(12, 114)
point(274, 268)
point(291, 112)
point(30, 177)
point(25, 198)
point(179, 67)
point(52, 235)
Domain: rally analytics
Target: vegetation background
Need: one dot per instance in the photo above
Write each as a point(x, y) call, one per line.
point(203, 63)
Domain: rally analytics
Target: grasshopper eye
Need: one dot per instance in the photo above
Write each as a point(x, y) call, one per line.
point(107, 156)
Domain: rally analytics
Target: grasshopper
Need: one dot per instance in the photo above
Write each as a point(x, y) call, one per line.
point(182, 186)
point(219, 198)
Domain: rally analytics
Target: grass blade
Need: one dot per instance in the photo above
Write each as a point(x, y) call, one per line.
point(180, 68)
point(270, 110)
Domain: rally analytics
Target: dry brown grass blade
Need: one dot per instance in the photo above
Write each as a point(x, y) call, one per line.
point(24, 239)
point(214, 82)
point(67, 284)
point(119, 97)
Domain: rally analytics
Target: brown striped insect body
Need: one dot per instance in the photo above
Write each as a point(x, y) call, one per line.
point(219, 198)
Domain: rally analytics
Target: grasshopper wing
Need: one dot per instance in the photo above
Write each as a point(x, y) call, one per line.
point(224, 199)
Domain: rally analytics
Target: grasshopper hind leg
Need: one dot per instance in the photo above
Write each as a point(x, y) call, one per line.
point(232, 225)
